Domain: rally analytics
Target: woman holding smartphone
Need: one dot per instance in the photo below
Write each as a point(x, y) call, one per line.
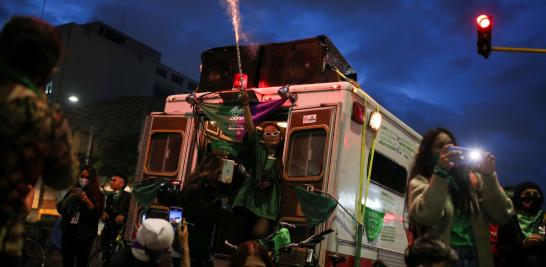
point(455, 203)
point(81, 209)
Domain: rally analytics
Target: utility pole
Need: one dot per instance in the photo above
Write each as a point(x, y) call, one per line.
point(43, 9)
point(90, 145)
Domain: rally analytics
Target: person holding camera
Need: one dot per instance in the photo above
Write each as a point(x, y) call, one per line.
point(454, 201)
point(81, 209)
point(151, 248)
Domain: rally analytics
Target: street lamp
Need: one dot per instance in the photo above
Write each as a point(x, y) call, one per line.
point(73, 99)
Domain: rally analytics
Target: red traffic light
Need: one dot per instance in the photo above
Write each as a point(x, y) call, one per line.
point(484, 35)
point(483, 21)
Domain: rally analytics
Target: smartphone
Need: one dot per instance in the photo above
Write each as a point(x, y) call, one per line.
point(156, 211)
point(78, 191)
point(228, 166)
point(175, 214)
point(467, 156)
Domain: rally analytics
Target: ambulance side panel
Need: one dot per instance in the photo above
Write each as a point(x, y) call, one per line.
point(395, 147)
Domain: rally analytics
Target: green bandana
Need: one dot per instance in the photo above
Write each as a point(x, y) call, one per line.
point(529, 223)
point(18, 77)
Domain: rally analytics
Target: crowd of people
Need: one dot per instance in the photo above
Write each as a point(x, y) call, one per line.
point(454, 209)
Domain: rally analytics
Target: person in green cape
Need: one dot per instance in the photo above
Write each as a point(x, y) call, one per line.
point(260, 191)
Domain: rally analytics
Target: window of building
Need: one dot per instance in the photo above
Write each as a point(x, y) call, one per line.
point(388, 173)
point(164, 152)
point(49, 88)
point(177, 79)
point(306, 153)
point(161, 72)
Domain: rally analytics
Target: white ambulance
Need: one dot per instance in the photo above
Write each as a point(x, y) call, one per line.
point(328, 143)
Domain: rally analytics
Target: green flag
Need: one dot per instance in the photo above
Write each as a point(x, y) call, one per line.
point(373, 222)
point(225, 147)
point(280, 240)
point(316, 207)
point(146, 192)
point(230, 115)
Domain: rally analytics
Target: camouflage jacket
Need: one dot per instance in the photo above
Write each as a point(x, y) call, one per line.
point(35, 142)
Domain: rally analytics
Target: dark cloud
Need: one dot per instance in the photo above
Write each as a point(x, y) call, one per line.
point(417, 58)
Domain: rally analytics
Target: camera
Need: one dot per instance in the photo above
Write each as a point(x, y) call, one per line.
point(468, 157)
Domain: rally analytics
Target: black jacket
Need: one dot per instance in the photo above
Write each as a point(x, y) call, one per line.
point(88, 221)
point(117, 207)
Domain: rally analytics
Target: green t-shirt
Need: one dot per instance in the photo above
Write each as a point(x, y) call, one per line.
point(461, 232)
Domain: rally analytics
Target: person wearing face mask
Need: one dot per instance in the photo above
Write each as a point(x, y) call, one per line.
point(454, 203)
point(521, 241)
point(80, 208)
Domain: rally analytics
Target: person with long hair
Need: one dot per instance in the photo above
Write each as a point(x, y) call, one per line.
point(455, 203)
point(250, 254)
point(81, 209)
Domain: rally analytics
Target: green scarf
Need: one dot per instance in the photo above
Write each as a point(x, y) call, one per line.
point(529, 223)
point(18, 77)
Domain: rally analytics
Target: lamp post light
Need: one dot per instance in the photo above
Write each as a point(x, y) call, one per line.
point(73, 99)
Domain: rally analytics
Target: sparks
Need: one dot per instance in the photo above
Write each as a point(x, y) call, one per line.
point(235, 17)
point(235, 20)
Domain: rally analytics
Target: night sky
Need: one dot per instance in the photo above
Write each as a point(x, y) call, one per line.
point(417, 58)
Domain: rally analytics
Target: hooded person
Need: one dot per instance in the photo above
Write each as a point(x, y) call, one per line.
point(522, 240)
point(154, 238)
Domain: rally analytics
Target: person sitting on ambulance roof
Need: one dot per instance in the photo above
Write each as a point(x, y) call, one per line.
point(260, 192)
point(453, 202)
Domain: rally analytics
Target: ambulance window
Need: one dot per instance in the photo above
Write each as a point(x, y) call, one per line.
point(388, 173)
point(306, 152)
point(164, 152)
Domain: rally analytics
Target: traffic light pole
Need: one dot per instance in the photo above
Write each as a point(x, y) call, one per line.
point(518, 49)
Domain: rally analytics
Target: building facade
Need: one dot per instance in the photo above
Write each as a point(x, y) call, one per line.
point(117, 82)
point(101, 63)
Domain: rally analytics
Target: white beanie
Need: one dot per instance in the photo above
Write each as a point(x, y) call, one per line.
point(154, 234)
